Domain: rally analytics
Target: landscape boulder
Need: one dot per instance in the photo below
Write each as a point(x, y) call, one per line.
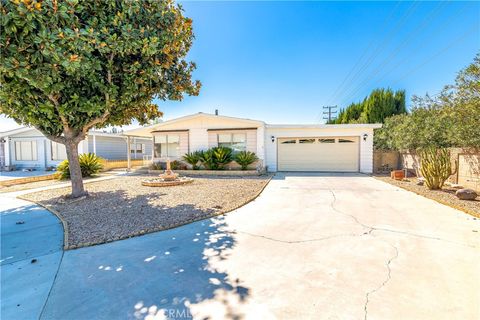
point(466, 194)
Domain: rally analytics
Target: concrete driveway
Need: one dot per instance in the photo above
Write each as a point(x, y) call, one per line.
point(310, 247)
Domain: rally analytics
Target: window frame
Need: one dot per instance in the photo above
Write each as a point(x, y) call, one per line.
point(33, 150)
point(166, 155)
point(345, 140)
point(134, 148)
point(231, 144)
point(56, 144)
point(326, 140)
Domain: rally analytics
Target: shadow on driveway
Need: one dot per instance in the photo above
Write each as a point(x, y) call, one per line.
point(156, 275)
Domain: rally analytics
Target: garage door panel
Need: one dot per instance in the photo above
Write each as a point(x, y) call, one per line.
point(318, 156)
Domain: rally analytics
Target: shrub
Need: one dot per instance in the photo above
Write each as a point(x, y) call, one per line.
point(158, 166)
point(193, 158)
point(208, 160)
point(245, 158)
point(216, 158)
point(90, 165)
point(435, 167)
point(177, 165)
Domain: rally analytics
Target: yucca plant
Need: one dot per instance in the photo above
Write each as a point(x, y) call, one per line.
point(193, 158)
point(245, 158)
point(435, 167)
point(90, 164)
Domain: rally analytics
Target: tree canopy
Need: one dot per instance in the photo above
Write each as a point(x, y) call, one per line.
point(68, 66)
point(449, 119)
point(375, 108)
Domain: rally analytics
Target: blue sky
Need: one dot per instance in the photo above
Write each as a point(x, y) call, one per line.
point(282, 61)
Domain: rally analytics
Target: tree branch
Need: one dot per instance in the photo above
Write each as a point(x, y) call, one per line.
point(50, 137)
point(56, 104)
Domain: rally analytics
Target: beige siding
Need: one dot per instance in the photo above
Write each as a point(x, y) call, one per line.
point(199, 138)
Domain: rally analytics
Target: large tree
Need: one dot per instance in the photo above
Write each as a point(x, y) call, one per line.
point(379, 105)
point(448, 119)
point(68, 66)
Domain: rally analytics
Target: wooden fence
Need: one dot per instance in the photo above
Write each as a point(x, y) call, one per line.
point(466, 163)
point(117, 164)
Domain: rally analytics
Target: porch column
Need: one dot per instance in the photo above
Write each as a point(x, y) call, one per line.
point(7, 145)
point(129, 162)
point(94, 145)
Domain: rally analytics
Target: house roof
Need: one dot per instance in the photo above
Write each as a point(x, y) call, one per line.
point(26, 129)
point(326, 126)
point(15, 131)
point(147, 131)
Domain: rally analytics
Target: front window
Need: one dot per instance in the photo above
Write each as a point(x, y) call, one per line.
point(235, 141)
point(137, 148)
point(58, 151)
point(167, 145)
point(26, 150)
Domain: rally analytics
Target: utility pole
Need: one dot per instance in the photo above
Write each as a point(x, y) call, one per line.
point(331, 111)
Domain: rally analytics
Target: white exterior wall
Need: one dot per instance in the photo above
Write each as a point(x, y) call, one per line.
point(261, 143)
point(366, 147)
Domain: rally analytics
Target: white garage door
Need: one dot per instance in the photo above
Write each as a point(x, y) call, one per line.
point(338, 154)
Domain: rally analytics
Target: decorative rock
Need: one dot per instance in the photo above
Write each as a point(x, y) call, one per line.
point(466, 194)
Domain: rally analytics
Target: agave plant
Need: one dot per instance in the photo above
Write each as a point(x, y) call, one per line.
point(193, 158)
point(222, 156)
point(90, 164)
point(245, 158)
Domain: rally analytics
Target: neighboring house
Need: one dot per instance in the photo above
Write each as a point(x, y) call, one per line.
point(290, 147)
point(29, 148)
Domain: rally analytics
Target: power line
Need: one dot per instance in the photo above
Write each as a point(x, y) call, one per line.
point(363, 54)
point(379, 48)
point(416, 30)
point(382, 45)
point(438, 53)
point(424, 43)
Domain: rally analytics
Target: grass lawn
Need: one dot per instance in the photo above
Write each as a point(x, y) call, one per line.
point(121, 207)
point(445, 196)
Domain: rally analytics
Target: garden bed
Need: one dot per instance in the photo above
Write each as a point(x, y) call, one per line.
point(212, 172)
point(445, 196)
point(121, 207)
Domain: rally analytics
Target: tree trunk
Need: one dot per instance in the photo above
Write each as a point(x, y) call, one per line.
point(75, 170)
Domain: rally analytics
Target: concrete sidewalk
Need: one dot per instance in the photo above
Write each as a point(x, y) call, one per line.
point(31, 251)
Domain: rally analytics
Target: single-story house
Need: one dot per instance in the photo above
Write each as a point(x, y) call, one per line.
point(279, 147)
point(29, 148)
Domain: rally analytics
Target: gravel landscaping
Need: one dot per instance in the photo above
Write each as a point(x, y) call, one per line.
point(445, 196)
point(45, 183)
point(121, 207)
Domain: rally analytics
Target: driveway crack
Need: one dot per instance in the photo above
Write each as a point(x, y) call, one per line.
point(389, 275)
point(372, 228)
point(299, 241)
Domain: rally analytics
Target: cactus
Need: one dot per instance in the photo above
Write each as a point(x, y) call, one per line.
point(435, 167)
